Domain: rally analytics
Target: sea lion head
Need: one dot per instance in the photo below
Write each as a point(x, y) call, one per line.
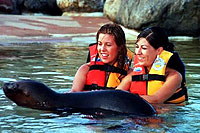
point(25, 93)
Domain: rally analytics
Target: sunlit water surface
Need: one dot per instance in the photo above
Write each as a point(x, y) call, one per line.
point(55, 65)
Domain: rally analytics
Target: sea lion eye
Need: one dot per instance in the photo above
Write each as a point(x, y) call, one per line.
point(10, 85)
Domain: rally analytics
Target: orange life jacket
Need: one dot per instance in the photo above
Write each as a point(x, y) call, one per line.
point(96, 77)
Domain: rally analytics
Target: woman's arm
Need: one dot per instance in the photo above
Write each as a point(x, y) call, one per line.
point(80, 78)
point(172, 83)
point(126, 83)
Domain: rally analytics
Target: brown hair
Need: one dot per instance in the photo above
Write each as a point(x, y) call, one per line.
point(157, 37)
point(117, 32)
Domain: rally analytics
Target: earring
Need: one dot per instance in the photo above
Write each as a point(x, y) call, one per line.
point(157, 59)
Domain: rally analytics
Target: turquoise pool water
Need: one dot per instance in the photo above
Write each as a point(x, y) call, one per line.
point(55, 65)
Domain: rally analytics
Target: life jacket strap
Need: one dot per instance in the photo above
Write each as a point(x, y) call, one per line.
point(96, 87)
point(108, 68)
point(148, 77)
point(181, 92)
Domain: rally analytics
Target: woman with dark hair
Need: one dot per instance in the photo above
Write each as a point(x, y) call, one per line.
point(158, 73)
point(109, 61)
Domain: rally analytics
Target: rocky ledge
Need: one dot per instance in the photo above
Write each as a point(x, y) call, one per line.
point(179, 18)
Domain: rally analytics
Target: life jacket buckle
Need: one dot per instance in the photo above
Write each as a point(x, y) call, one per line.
point(95, 86)
point(145, 77)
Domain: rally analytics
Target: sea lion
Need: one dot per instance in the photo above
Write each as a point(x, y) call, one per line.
point(36, 95)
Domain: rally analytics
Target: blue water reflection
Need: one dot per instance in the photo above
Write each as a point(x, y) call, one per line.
point(56, 65)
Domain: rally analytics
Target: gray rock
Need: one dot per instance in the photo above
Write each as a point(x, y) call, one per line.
point(43, 6)
point(9, 7)
point(81, 5)
point(6, 6)
point(178, 17)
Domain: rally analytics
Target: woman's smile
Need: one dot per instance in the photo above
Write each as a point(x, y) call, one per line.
point(104, 55)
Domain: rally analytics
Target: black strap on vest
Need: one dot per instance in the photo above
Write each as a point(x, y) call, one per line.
point(181, 92)
point(148, 77)
point(96, 87)
point(108, 68)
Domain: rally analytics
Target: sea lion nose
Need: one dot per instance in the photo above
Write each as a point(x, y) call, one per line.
point(10, 86)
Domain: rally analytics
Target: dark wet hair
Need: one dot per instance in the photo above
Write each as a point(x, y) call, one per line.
point(157, 37)
point(117, 32)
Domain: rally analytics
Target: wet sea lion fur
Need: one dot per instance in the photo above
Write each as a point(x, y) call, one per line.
point(36, 95)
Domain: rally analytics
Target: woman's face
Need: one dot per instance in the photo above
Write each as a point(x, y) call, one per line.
point(146, 53)
point(107, 48)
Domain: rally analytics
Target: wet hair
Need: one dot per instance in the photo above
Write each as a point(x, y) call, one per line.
point(157, 37)
point(117, 32)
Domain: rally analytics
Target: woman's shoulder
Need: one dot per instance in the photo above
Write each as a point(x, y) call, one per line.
point(176, 63)
point(83, 69)
point(85, 66)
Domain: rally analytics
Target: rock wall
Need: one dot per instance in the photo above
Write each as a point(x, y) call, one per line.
point(35, 6)
point(81, 5)
point(43, 6)
point(8, 7)
point(180, 17)
point(51, 7)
